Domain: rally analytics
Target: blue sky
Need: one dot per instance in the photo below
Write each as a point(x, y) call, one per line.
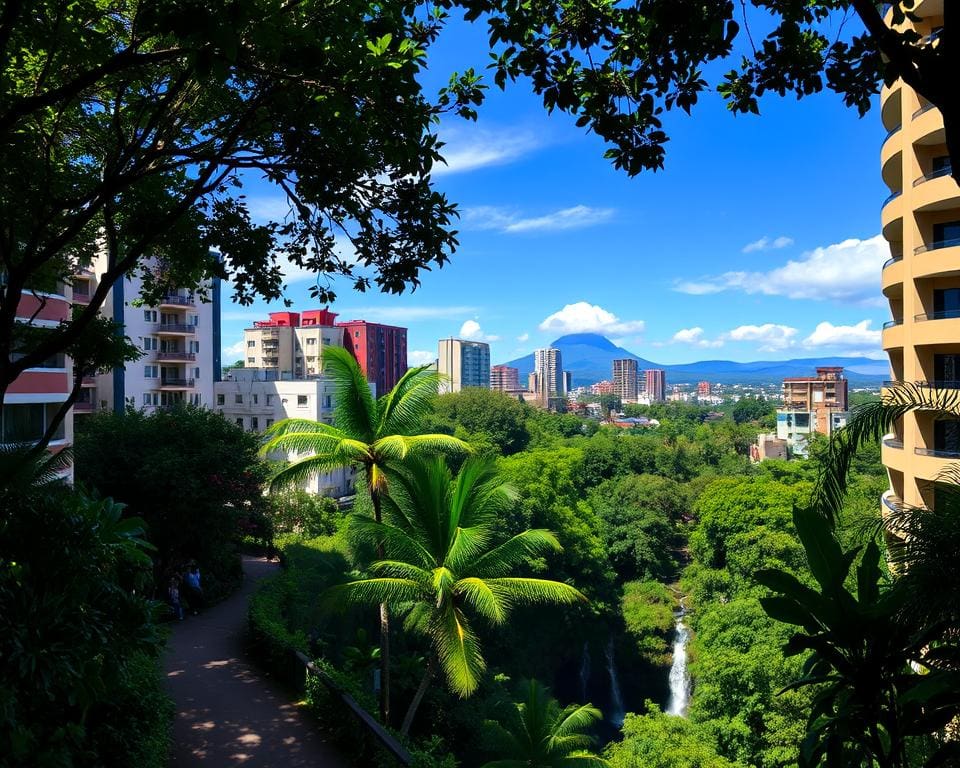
point(759, 240)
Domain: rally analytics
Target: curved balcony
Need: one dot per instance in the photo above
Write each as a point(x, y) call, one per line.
point(891, 217)
point(893, 456)
point(932, 328)
point(935, 193)
point(174, 383)
point(891, 160)
point(175, 329)
point(892, 441)
point(890, 100)
point(938, 258)
point(891, 502)
point(892, 334)
point(891, 279)
point(926, 127)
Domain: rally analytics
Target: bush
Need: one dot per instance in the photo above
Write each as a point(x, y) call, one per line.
point(303, 513)
point(79, 684)
point(648, 608)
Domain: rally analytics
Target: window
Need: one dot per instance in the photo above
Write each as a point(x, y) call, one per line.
point(238, 399)
point(946, 368)
point(151, 371)
point(311, 341)
point(251, 360)
point(256, 399)
point(326, 401)
point(221, 400)
point(269, 399)
point(269, 423)
point(946, 436)
point(146, 398)
point(240, 421)
point(356, 334)
point(946, 303)
point(947, 233)
point(252, 343)
point(194, 320)
point(802, 420)
point(149, 343)
point(194, 346)
point(301, 401)
point(150, 315)
point(254, 424)
point(941, 165)
point(196, 373)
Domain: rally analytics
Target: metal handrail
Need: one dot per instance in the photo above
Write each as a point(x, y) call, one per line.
point(174, 298)
point(892, 260)
point(946, 314)
point(940, 172)
point(891, 198)
point(892, 442)
point(939, 453)
point(161, 355)
point(925, 108)
point(892, 323)
point(172, 382)
point(939, 384)
point(936, 245)
point(176, 328)
point(891, 132)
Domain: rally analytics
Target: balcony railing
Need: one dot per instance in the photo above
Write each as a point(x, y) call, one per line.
point(940, 384)
point(940, 453)
point(937, 245)
point(890, 383)
point(79, 407)
point(891, 502)
point(892, 323)
point(891, 132)
point(945, 314)
point(178, 300)
point(893, 442)
point(890, 198)
point(176, 328)
point(892, 260)
point(924, 108)
point(172, 382)
point(186, 356)
point(946, 171)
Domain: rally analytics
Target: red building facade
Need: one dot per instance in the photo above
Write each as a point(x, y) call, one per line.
point(381, 351)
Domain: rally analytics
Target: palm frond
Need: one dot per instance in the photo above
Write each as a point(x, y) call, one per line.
point(371, 591)
point(574, 719)
point(583, 760)
point(401, 410)
point(397, 543)
point(354, 411)
point(535, 591)
point(515, 551)
point(493, 604)
point(458, 652)
point(402, 570)
point(871, 421)
point(400, 447)
point(467, 544)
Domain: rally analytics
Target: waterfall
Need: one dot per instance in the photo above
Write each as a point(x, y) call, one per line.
point(585, 673)
point(679, 679)
point(616, 700)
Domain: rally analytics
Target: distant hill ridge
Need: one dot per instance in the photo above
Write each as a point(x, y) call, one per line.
point(590, 356)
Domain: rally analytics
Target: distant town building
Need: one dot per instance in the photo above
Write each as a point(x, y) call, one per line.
point(813, 404)
point(548, 380)
point(505, 378)
point(655, 384)
point(567, 382)
point(381, 351)
point(703, 389)
point(464, 364)
point(291, 343)
point(769, 446)
point(602, 388)
point(256, 398)
point(625, 379)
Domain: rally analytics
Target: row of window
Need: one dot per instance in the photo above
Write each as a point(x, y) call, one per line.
point(170, 398)
point(153, 344)
point(254, 423)
point(27, 422)
point(302, 400)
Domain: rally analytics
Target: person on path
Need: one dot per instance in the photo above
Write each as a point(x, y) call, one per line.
point(173, 595)
point(194, 590)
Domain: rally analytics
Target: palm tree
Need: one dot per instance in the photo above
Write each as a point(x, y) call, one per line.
point(367, 433)
point(537, 733)
point(444, 561)
point(923, 545)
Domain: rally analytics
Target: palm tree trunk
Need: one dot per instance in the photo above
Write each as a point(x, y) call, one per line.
point(384, 628)
point(417, 698)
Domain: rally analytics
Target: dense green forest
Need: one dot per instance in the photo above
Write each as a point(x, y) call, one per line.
point(644, 518)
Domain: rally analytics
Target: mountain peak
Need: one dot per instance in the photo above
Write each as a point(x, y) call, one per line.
point(586, 339)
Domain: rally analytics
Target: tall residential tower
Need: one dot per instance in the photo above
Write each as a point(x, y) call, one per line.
point(464, 364)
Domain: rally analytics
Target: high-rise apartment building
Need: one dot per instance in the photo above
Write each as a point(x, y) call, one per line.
point(291, 343)
point(179, 337)
point(381, 351)
point(548, 366)
point(505, 378)
point(703, 389)
point(921, 279)
point(625, 379)
point(34, 399)
point(812, 404)
point(463, 364)
point(655, 384)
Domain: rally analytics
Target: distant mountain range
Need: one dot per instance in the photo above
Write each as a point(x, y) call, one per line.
point(590, 356)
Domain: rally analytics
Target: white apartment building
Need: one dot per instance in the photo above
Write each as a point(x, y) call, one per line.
point(256, 398)
point(179, 338)
point(291, 343)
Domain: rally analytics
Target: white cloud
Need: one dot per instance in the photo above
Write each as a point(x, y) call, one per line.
point(488, 217)
point(770, 337)
point(234, 352)
point(471, 330)
point(766, 244)
point(589, 318)
point(469, 148)
point(420, 357)
point(523, 337)
point(857, 337)
point(695, 336)
point(846, 272)
point(403, 314)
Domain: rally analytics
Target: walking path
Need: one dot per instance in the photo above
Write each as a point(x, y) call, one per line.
point(228, 713)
